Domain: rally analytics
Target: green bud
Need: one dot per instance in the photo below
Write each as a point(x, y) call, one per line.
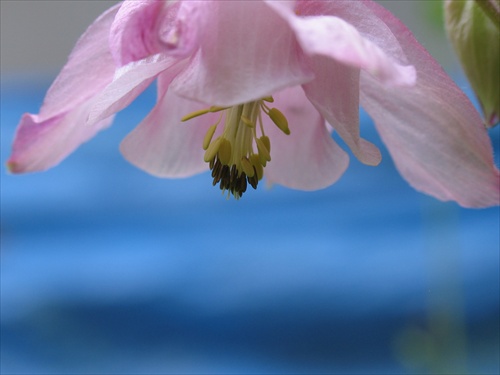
point(473, 27)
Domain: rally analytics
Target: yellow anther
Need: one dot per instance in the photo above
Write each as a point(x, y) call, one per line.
point(259, 169)
point(280, 120)
point(215, 108)
point(212, 150)
point(267, 142)
point(208, 136)
point(247, 167)
point(224, 153)
point(268, 99)
point(264, 155)
point(247, 122)
point(194, 114)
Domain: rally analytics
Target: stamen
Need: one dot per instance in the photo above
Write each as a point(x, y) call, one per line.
point(280, 120)
point(208, 136)
point(264, 155)
point(212, 150)
point(259, 170)
point(224, 153)
point(215, 108)
point(247, 167)
point(194, 114)
point(239, 155)
point(247, 122)
point(265, 139)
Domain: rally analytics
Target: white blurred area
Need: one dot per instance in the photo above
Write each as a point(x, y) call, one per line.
point(37, 35)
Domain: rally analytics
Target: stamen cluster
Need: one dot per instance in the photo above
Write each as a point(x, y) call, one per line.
point(238, 156)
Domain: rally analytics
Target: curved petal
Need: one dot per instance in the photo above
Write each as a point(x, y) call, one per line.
point(308, 158)
point(146, 27)
point(90, 67)
point(134, 35)
point(335, 38)
point(130, 80)
point(41, 144)
point(246, 52)
point(335, 94)
point(358, 14)
point(432, 130)
point(163, 145)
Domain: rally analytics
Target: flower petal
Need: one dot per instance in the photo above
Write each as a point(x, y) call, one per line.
point(335, 38)
point(90, 67)
point(41, 144)
point(308, 158)
point(335, 94)
point(163, 145)
point(361, 16)
point(43, 140)
point(246, 52)
point(134, 35)
point(130, 80)
point(146, 27)
point(432, 130)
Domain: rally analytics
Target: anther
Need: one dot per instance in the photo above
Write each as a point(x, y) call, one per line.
point(247, 167)
point(264, 155)
point(253, 181)
point(242, 184)
point(201, 112)
point(224, 153)
point(215, 108)
point(267, 142)
point(247, 122)
point(195, 114)
point(259, 170)
point(208, 136)
point(279, 119)
point(212, 150)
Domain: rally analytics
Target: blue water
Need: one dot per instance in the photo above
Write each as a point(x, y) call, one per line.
point(105, 269)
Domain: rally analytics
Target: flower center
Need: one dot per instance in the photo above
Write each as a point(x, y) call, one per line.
point(238, 156)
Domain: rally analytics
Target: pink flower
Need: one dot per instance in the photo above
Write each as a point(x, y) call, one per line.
point(245, 87)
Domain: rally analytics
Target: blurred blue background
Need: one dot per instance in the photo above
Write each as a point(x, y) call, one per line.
point(105, 269)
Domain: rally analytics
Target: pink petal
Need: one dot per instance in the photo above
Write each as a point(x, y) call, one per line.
point(432, 130)
point(335, 94)
point(180, 26)
point(144, 28)
point(130, 80)
point(308, 158)
point(43, 140)
point(366, 22)
point(163, 145)
point(335, 38)
point(90, 67)
point(246, 51)
point(41, 144)
point(133, 35)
